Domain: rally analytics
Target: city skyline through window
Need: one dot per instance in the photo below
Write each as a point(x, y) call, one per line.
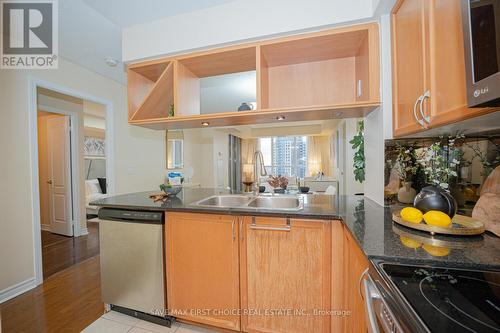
point(285, 155)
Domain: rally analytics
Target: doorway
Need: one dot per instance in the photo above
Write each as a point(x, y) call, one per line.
point(70, 137)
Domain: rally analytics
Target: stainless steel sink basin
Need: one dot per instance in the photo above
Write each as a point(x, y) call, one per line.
point(276, 203)
point(224, 201)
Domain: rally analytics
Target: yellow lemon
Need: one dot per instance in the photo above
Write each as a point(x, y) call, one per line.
point(411, 214)
point(411, 243)
point(437, 218)
point(436, 251)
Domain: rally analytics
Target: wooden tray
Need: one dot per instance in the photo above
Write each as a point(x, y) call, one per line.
point(460, 225)
point(449, 241)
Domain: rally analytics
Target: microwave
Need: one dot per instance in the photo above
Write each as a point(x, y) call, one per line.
point(481, 31)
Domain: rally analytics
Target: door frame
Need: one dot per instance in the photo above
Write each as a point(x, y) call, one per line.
point(33, 84)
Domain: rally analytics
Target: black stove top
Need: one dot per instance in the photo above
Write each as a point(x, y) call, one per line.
point(450, 300)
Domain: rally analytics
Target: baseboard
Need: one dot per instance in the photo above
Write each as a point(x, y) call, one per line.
point(84, 231)
point(45, 227)
point(17, 289)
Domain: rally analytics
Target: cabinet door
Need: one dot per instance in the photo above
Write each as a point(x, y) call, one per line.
point(203, 268)
point(409, 53)
point(447, 97)
point(354, 266)
point(285, 267)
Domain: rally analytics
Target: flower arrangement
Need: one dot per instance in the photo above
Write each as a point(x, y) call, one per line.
point(407, 162)
point(441, 161)
point(278, 181)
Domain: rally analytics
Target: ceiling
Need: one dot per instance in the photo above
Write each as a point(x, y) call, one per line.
point(86, 38)
point(129, 13)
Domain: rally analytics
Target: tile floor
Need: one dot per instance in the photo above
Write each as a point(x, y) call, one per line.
point(115, 322)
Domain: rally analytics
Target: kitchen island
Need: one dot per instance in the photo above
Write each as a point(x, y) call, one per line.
point(369, 223)
point(253, 262)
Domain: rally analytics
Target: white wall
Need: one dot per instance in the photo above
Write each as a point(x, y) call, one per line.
point(139, 159)
point(378, 124)
point(237, 21)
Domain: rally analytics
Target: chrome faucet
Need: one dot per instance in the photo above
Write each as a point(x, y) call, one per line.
point(257, 158)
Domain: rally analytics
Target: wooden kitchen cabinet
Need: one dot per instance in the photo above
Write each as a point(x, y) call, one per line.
point(202, 268)
point(285, 266)
point(429, 88)
point(355, 265)
point(348, 266)
point(333, 73)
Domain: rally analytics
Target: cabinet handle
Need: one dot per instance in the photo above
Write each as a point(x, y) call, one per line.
point(419, 121)
point(232, 228)
point(425, 118)
point(254, 226)
point(240, 219)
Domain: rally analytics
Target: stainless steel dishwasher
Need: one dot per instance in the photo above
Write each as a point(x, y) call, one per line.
point(132, 263)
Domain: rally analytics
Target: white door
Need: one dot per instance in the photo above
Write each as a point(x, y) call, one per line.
point(59, 150)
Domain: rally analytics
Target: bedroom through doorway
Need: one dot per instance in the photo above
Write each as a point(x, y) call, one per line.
point(71, 135)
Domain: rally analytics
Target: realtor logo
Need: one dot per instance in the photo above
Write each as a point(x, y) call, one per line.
point(29, 34)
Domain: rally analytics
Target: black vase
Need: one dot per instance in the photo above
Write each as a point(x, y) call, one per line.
point(435, 198)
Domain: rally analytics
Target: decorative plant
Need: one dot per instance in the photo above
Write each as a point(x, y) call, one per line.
point(278, 181)
point(488, 165)
point(441, 161)
point(358, 144)
point(407, 162)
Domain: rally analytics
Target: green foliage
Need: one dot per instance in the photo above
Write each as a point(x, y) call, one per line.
point(358, 144)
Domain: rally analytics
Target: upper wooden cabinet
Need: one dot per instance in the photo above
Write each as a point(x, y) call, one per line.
point(429, 88)
point(321, 75)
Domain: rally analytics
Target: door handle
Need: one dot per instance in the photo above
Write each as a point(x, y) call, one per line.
point(370, 294)
point(360, 282)
point(419, 121)
point(49, 181)
point(425, 118)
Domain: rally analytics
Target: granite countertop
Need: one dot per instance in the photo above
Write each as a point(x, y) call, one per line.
point(369, 223)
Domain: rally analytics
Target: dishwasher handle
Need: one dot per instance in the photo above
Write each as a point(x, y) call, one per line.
point(132, 216)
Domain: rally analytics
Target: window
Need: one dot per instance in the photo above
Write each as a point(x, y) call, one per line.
point(285, 155)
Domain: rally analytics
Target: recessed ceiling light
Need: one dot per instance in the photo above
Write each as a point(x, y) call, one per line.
point(205, 123)
point(111, 62)
point(280, 118)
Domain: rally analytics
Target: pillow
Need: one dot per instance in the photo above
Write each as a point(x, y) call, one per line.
point(102, 184)
point(92, 186)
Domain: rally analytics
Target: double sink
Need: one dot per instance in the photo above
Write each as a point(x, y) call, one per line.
point(268, 202)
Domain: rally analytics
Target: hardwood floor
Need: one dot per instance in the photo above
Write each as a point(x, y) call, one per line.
point(60, 252)
point(67, 301)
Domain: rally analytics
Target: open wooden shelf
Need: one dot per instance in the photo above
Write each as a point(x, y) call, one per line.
point(321, 75)
point(190, 69)
point(354, 110)
point(153, 88)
